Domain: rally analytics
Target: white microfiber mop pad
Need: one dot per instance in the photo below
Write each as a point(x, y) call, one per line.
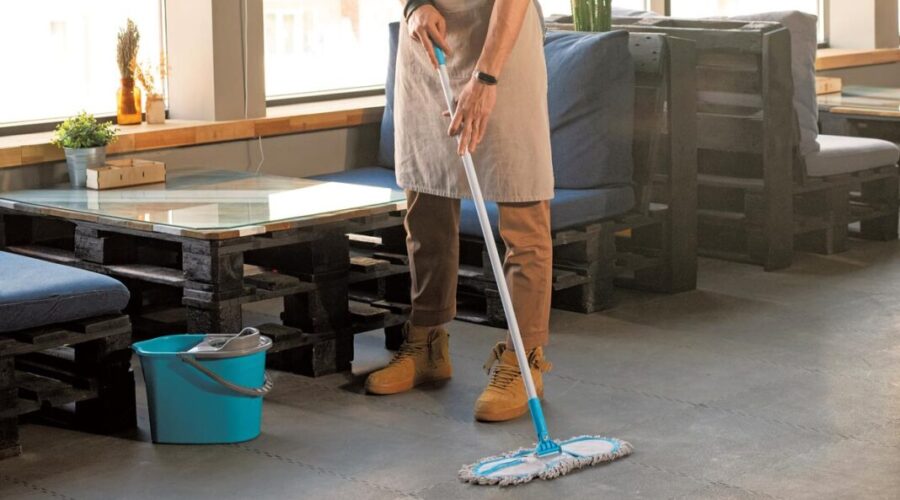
point(523, 465)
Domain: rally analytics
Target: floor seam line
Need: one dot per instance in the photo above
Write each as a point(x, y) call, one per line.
point(34, 487)
point(322, 471)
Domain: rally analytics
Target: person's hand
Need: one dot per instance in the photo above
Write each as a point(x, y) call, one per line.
point(428, 27)
point(473, 109)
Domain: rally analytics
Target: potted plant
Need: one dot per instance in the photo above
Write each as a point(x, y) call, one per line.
point(84, 140)
point(128, 108)
point(156, 106)
point(592, 15)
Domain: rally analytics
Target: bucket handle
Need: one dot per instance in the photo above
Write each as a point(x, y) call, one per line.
point(253, 392)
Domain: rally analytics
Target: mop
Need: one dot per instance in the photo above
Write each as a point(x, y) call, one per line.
point(548, 459)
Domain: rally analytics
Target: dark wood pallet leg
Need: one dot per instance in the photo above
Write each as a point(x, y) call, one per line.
point(100, 247)
point(223, 318)
point(770, 236)
point(215, 280)
point(596, 258)
point(108, 361)
point(596, 295)
point(324, 310)
point(832, 206)
point(677, 271)
point(882, 192)
point(9, 422)
point(393, 239)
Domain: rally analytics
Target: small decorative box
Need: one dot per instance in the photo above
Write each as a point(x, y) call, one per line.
point(124, 173)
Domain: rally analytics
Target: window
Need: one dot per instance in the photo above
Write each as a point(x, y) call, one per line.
point(565, 6)
point(305, 38)
point(708, 8)
point(314, 46)
point(70, 61)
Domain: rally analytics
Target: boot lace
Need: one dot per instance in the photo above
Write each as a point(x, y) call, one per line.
point(502, 375)
point(409, 350)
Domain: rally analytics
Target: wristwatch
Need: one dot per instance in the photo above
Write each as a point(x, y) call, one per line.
point(485, 78)
point(412, 5)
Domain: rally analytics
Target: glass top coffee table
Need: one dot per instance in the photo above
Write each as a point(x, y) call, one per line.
point(211, 204)
point(861, 111)
point(862, 100)
point(192, 251)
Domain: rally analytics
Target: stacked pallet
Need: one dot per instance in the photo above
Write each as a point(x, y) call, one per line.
point(43, 371)
point(756, 202)
point(180, 284)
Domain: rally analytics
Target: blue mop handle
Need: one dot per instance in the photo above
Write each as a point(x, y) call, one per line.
point(546, 445)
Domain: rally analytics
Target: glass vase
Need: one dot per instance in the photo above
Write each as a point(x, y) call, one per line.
point(128, 110)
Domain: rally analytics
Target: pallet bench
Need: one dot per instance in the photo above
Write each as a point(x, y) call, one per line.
point(757, 200)
point(61, 345)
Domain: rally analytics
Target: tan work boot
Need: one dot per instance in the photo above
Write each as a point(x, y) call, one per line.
point(423, 357)
point(505, 397)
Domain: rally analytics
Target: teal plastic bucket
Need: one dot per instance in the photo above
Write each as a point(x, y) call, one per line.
point(203, 398)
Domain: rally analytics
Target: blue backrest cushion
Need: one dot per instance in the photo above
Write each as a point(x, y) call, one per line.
point(386, 142)
point(591, 101)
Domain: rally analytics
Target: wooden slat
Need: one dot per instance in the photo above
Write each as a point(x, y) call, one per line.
point(49, 392)
point(735, 133)
point(827, 59)
point(36, 148)
point(721, 181)
point(828, 85)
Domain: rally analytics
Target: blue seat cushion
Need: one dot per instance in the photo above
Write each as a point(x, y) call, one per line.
point(569, 207)
point(368, 176)
point(37, 293)
point(591, 106)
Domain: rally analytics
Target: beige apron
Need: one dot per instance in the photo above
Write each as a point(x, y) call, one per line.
point(513, 161)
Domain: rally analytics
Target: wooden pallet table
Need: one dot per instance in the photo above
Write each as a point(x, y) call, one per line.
point(194, 250)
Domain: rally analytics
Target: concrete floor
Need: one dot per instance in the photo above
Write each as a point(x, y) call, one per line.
point(777, 385)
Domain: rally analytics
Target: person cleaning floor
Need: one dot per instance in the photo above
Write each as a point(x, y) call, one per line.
point(496, 64)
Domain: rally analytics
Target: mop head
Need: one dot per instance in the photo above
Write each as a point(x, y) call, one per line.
point(521, 466)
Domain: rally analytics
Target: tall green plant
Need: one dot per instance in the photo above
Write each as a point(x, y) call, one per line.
point(592, 15)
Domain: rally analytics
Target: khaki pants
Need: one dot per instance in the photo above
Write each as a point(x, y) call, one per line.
point(432, 226)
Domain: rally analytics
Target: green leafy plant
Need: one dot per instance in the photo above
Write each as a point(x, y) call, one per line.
point(592, 15)
point(84, 131)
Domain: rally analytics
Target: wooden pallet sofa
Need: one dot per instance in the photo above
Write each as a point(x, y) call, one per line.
point(767, 183)
point(63, 340)
point(625, 164)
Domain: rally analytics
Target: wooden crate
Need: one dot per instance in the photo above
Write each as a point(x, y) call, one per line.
point(123, 173)
point(87, 363)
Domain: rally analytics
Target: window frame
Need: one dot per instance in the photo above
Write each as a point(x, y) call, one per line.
point(824, 17)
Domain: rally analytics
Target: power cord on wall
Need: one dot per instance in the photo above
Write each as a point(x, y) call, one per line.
point(245, 53)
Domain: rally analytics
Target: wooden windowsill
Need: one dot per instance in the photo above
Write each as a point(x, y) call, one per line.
point(839, 58)
point(29, 149)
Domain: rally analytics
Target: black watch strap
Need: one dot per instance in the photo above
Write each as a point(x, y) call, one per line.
point(412, 5)
point(486, 78)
